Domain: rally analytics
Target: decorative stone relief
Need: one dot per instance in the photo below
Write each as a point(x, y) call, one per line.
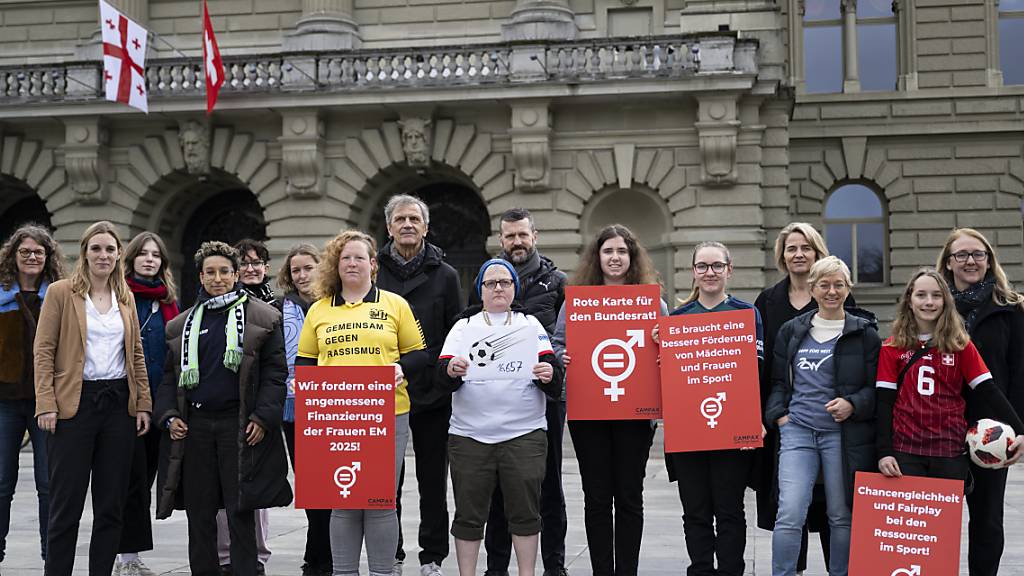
point(85, 160)
point(302, 154)
point(416, 142)
point(194, 137)
point(531, 149)
point(717, 127)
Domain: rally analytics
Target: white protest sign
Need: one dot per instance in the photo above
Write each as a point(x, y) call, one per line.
point(500, 352)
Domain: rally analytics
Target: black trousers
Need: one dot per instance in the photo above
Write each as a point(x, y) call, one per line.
point(210, 481)
point(318, 522)
point(954, 468)
point(711, 486)
point(613, 462)
point(429, 431)
point(137, 528)
point(498, 541)
point(98, 442)
point(985, 528)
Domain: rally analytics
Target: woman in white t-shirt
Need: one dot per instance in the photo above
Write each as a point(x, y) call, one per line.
point(497, 429)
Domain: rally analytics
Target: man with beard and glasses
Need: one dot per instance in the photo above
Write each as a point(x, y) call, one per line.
point(415, 270)
point(541, 295)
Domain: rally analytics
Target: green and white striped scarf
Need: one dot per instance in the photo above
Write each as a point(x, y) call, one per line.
point(234, 329)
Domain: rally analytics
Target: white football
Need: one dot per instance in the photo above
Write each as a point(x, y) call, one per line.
point(988, 442)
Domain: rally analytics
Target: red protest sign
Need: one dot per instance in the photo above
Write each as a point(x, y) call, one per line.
point(614, 372)
point(710, 394)
point(344, 437)
point(907, 526)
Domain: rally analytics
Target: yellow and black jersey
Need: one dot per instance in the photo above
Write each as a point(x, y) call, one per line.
point(376, 331)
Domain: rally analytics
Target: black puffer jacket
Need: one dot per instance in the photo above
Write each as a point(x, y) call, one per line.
point(998, 333)
point(433, 292)
point(856, 366)
point(263, 468)
point(541, 294)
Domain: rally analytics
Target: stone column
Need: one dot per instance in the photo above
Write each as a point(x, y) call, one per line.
point(325, 25)
point(540, 20)
point(851, 75)
point(906, 43)
point(994, 70)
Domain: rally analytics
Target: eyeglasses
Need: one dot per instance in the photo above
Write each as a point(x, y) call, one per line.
point(27, 253)
point(702, 267)
point(978, 255)
point(504, 283)
point(254, 264)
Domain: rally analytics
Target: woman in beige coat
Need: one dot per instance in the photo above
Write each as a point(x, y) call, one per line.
point(92, 396)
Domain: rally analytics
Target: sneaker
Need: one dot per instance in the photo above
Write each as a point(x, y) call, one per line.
point(560, 571)
point(136, 568)
point(431, 569)
point(396, 569)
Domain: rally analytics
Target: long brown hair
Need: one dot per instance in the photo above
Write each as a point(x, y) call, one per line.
point(328, 281)
point(1002, 293)
point(695, 291)
point(80, 282)
point(284, 276)
point(52, 271)
point(641, 269)
point(165, 275)
point(949, 334)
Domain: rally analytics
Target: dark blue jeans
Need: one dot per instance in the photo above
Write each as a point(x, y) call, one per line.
point(16, 416)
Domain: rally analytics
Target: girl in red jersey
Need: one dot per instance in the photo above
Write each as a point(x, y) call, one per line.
point(921, 424)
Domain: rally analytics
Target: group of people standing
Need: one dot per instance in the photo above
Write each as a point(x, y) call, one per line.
point(111, 383)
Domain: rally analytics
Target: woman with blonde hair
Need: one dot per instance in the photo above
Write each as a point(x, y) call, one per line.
point(797, 247)
point(30, 261)
point(923, 370)
point(823, 405)
point(349, 295)
point(993, 315)
point(298, 279)
point(92, 396)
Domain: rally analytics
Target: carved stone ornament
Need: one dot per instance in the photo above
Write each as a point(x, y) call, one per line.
point(302, 154)
point(194, 137)
point(85, 161)
point(717, 129)
point(415, 142)
point(531, 149)
point(628, 2)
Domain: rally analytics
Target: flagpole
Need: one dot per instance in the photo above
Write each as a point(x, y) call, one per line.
point(171, 46)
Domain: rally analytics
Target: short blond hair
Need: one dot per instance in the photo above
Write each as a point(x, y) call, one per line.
point(828, 266)
point(807, 231)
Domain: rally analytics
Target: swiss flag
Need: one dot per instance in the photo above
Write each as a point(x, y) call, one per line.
point(124, 58)
point(213, 67)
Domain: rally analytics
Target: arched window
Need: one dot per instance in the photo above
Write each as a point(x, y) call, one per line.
point(855, 231)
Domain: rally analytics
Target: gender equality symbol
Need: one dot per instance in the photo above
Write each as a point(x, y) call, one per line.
point(620, 357)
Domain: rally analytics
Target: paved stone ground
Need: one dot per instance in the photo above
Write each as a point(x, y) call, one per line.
point(663, 550)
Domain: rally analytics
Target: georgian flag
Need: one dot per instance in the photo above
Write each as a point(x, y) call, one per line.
point(213, 67)
point(124, 58)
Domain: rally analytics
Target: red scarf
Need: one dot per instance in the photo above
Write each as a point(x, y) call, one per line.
point(158, 293)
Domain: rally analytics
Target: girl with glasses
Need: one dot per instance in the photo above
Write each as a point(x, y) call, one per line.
point(712, 482)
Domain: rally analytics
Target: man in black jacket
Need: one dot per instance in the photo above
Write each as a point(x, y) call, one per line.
point(542, 293)
point(415, 269)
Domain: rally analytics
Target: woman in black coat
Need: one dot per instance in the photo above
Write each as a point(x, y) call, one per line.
point(993, 314)
point(797, 247)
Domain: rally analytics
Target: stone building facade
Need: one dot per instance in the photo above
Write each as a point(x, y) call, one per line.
point(686, 120)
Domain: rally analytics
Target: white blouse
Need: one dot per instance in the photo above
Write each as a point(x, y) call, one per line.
point(104, 343)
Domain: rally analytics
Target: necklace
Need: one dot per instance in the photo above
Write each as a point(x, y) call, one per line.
point(508, 318)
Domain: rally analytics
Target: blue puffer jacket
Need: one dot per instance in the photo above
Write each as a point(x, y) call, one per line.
point(154, 342)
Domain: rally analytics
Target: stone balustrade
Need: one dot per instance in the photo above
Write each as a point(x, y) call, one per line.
point(576, 61)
